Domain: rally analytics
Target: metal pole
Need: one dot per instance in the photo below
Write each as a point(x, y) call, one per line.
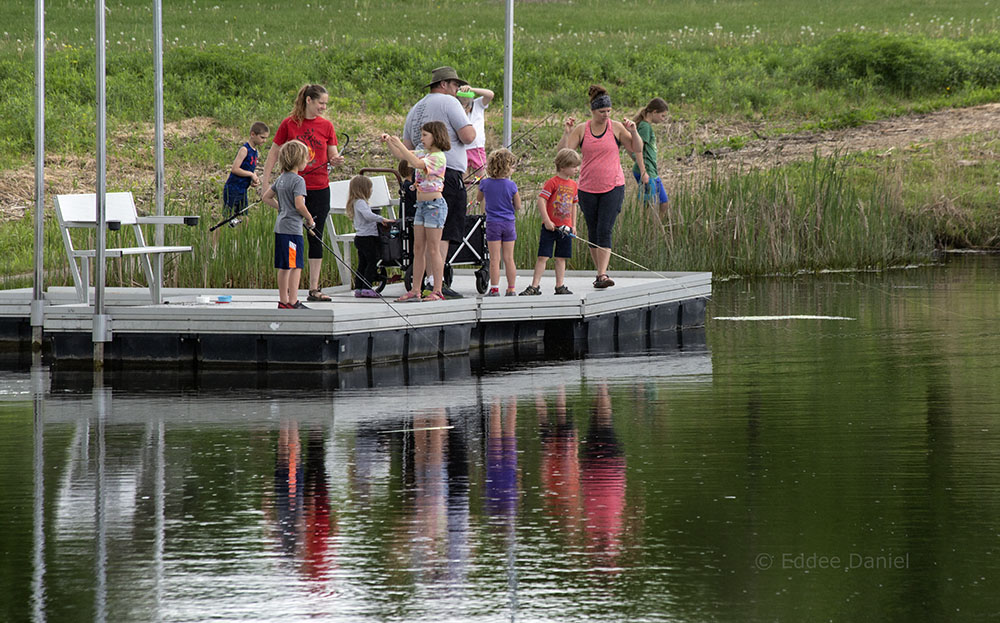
point(37, 302)
point(100, 335)
point(508, 73)
point(158, 114)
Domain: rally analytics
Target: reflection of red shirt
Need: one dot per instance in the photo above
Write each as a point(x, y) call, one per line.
point(561, 474)
point(318, 134)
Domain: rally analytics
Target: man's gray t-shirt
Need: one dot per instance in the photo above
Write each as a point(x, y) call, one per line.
point(287, 187)
point(439, 107)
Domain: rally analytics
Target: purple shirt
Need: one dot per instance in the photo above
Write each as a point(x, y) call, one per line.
point(499, 194)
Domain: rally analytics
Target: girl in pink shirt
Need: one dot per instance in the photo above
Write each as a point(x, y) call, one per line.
point(602, 182)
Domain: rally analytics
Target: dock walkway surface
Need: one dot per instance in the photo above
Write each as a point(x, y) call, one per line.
point(192, 327)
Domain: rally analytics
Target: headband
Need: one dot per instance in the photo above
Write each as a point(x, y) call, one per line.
point(601, 101)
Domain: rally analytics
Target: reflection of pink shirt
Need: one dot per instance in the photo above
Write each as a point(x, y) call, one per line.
point(431, 180)
point(601, 169)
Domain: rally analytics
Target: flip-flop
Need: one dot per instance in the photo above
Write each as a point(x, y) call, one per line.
point(409, 296)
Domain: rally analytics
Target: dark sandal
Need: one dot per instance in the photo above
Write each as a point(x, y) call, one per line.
point(318, 296)
point(603, 281)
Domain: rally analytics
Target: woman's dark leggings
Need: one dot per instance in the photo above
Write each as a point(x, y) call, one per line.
point(600, 210)
point(318, 204)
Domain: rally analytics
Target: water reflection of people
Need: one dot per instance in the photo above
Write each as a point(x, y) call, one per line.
point(560, 461)
point(437, 539)
point(302, 503)
point(501, 461)
point(602, 475)
point(430, 475)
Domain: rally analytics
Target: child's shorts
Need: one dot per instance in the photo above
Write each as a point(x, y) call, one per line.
point(563, 244)
point(476, 159)
point(431, 214)
point(233, 200)
point(653, 190)
point(500, 231)
point(289, 251)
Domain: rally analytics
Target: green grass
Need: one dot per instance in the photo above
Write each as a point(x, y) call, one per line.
point(233, 61)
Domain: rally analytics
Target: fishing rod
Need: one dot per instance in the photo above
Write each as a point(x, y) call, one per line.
point(229, 219)
point(525, 133)
point(347, 141)
point(369, 286)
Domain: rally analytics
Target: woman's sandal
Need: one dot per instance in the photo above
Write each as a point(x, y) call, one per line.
point(318, 296)
point(603, 281)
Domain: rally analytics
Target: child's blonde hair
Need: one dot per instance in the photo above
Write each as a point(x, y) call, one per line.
point(293, 155)
point(567, 158)
point(500, 163)
point(360, 188)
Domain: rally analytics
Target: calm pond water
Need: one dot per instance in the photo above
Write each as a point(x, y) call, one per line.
point(796, 469)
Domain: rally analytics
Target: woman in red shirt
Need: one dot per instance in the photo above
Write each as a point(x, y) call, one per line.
point(307, 124)
point(601, 189)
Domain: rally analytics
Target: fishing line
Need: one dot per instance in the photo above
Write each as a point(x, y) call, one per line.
point(369, 286)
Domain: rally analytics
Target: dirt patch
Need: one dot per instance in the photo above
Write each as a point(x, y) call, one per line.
point(885, 137)
point(64, 174)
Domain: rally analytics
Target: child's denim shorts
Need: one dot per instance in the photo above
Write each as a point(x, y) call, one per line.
point(431, 214)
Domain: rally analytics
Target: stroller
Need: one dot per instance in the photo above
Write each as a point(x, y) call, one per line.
point(396, 245)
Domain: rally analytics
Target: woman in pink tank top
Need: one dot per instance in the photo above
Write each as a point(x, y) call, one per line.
point(602, 182)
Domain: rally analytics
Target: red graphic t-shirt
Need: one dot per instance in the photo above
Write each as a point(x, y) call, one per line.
point(318, 134)
point(559, 195)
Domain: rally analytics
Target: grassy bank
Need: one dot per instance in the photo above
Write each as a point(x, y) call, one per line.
point(788, 64)
point(841, 212)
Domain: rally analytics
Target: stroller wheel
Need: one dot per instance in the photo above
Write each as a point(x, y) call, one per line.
point(381, 278)
point(408, 278)
point(482, 280)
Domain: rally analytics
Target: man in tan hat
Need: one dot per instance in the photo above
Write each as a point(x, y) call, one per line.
point(441, 104)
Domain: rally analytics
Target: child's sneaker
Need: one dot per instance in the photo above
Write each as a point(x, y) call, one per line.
point(493, 292)
point(510, 292)
point(298, 305)
point(284, 306)
point(562, 290)
point(531, 291)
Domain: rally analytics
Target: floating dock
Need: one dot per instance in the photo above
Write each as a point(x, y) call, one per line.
point(192, 329)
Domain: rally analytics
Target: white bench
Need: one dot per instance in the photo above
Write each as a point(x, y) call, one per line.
point(341, 243)
point(80, 212)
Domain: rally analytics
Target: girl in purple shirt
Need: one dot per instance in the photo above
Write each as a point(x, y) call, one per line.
point(503, 201)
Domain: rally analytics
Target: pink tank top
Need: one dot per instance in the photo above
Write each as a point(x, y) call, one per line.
point(601, 169)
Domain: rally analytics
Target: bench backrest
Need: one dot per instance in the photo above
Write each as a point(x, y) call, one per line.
point(82, 209)
point(380, 194)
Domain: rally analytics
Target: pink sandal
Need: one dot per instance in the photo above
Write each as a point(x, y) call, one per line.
point(433, 296)
point(409, 296)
